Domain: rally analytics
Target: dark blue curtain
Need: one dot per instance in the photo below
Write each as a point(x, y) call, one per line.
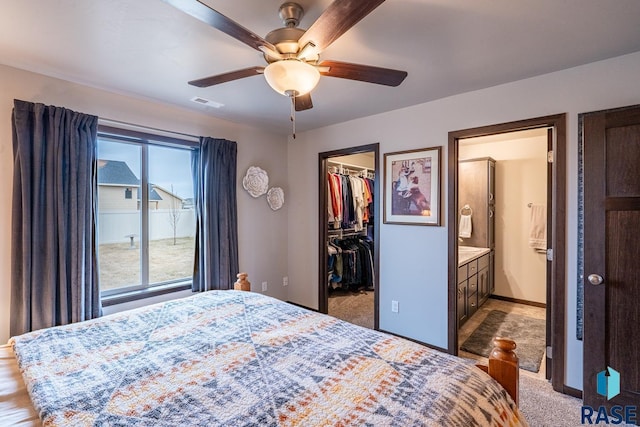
point(214, 177)
point(54, 278)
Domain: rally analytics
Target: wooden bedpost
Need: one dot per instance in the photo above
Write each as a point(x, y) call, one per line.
point(242, 284)
point(504, 365)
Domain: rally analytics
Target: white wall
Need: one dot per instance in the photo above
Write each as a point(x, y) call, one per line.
point(521, 178)
point(262, 232)
point(413, 264)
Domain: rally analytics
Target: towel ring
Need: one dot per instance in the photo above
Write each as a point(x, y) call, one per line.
point(466, 208)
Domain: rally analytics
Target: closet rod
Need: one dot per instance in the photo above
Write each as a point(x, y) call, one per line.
point(340, 233)
point(349, 165)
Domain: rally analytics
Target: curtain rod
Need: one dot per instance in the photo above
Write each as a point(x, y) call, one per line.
point(132, 126)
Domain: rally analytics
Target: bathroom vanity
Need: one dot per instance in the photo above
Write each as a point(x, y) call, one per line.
point(475, 281)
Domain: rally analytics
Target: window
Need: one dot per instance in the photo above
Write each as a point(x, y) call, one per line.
point(146, 238)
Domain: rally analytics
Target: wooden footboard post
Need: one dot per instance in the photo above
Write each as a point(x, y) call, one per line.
point(504, 365)
point(242, 284)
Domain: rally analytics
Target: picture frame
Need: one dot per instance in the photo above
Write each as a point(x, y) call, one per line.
point(412, 187)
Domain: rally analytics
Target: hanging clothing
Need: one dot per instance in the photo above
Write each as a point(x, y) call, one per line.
point(350, 201)
point(357, 195)
point(368, 199)
point(370, 183)
point(351, 264)
point(335, 199)
point(329, 204)
point(348, 211)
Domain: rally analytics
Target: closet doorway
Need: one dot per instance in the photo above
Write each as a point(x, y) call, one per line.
point(349, 234)
point(515, 207)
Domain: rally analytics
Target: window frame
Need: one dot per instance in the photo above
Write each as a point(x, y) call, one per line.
point(144, 140)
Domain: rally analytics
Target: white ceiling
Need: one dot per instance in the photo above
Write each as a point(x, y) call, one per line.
point(149, 49)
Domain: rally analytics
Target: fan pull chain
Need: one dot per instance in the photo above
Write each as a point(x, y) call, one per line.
point(293, 114)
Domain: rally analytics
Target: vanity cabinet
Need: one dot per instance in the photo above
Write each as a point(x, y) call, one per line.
point(462, 303)
point(484, 285)
point(474, 287)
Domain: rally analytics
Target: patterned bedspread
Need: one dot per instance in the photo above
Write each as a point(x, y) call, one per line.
point(235, 358)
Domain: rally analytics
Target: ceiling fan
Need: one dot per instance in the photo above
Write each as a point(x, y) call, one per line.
point(292, 54)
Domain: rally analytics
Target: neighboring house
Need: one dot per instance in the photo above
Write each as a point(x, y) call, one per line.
point(164, 199)
point(119, 189)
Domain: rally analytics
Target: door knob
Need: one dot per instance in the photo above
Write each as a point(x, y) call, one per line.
point(595, 279)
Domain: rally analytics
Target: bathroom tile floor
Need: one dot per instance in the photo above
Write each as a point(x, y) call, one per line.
point(509, 307)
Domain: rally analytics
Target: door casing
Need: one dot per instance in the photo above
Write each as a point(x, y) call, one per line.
point(323, 295)
point(557, 287)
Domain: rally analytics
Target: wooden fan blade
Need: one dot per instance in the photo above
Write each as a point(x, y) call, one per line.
point(363, 73)
point(304, 102)
point(227, 77)
point(220, 22)
point(335, 21)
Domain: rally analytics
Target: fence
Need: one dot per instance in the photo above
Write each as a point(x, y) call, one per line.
point(117, 226)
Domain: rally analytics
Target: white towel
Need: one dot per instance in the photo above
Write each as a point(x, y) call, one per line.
point(538, 227)
point(465, 226)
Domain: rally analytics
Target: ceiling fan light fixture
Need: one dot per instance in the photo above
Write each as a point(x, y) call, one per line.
point(292, 76)
point(308, 52)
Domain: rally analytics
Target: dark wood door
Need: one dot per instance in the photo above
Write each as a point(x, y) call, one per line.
point(612, 252)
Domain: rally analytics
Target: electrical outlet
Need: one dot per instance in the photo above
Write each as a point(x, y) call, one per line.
point(264, 286)
point(285, 281)
point(394, 306)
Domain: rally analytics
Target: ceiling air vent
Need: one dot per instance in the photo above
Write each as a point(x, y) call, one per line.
point(208, 103)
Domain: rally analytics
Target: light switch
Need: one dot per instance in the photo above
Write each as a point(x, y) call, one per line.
point(394, 306)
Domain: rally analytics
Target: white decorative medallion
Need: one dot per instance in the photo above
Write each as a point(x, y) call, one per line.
point(275, 198)
point(256, 181)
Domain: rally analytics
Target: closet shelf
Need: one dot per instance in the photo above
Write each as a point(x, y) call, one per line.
point(347, 168)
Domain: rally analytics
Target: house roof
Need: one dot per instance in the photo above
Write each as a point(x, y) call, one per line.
point(116, 172)
point(153, 195)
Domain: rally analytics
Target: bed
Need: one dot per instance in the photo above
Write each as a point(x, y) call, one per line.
point(236, 358)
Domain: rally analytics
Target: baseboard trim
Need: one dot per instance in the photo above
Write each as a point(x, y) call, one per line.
point(303, 306)
point(444, 350)
point(519, 301)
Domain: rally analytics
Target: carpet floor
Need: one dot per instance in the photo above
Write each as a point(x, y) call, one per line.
point(544, 407)
point(354, 307)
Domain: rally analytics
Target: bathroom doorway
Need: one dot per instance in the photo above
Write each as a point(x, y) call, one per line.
point(502, 191)
point(528, 158)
